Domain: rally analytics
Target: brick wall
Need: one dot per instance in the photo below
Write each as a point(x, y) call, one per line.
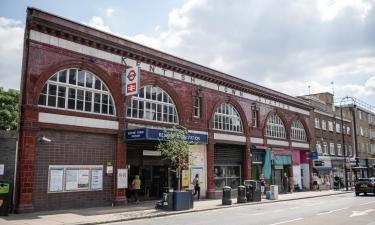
point(72, 148)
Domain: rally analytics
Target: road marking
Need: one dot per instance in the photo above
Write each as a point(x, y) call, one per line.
point(360, 213)
point(287, 221)
point(323, 213)
point(367, 203)
point(295, 207)
point(257, 214)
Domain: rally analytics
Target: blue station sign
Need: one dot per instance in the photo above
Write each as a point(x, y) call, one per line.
point(158, 135)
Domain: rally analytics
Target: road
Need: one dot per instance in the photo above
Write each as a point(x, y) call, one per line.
point(343, 209)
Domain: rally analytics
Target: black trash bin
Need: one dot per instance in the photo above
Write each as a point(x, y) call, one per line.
point(256, 196)
point(241, 195)
point(191, 197)
point(249, 192)
point(227, 196)
point(5, 197)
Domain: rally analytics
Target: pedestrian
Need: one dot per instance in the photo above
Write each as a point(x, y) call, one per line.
point(136, 184)
point(262, 184)
point(197, 188)
point(320, 182)
point(285, 183)
point(291, 184)
point(315, 182)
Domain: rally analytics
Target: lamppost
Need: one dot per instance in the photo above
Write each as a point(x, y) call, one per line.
point(343, 145)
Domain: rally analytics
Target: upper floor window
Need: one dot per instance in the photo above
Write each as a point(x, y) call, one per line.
point(339, 150)
point(331, 148)
point(325, 148)
point(152, 103)
point(317, 123)
point(298, 131)
point(275, 127)
point(347, 130)
point(338, 128)
point(330, 125)
point(77, 90)
point(254, 121)
point(318, 147)
point(360, 114)
point(197, 107)
point(227, 118)
point(350, 151)
point(324, 125)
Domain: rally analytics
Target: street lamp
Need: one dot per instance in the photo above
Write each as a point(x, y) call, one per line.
point(343, 145)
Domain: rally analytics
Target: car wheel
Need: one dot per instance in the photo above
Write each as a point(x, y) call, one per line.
point(357, 194)
point(365, 193)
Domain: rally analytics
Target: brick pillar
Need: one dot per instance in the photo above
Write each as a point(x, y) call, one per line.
point(210, 167)
point(26, 159)
point(120, 194)
point(246, 163)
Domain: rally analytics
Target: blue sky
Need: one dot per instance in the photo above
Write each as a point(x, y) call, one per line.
point(286, 45)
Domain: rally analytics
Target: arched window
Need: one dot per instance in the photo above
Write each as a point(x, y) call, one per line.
point(227, 118)
point(275, 127)
point(152, 103)
point(298, 131)
point(77, 90)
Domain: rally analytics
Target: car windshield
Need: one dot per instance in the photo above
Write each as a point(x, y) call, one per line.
point(364, 179)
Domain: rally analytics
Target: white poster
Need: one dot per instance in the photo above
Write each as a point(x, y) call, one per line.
point(122, 178)
point(71, 178)
point(96, 179)
point(1, 169)
point(56, 180)
point(83, 178)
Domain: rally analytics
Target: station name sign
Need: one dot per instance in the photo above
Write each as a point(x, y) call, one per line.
point(159, 135)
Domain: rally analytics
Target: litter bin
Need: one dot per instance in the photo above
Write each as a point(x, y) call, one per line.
point(227, 196)
point(274, 192)
point(256, 189)
point(5, 197)
point(249, 192)
point(241, 195)
point(167, 199)
point(191, 197)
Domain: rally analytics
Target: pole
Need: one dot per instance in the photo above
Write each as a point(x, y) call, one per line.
point(355, 141)
point(343, 147)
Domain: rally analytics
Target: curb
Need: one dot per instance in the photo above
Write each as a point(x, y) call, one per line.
point(171, 213)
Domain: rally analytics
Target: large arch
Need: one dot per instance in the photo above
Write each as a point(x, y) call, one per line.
point(91, 67)
point(172, 94)
point(237, 107)
point(300, 118)
point(284, 121)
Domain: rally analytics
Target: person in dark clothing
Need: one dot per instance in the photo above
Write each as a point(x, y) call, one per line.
point(197, 188)
point(285, 183)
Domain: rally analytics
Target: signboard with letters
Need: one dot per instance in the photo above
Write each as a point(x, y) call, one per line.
point(130, 81)
point(158, 135)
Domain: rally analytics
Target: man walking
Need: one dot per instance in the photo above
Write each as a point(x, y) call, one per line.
point(136, 184)
point(285, 183)
point(197, 188)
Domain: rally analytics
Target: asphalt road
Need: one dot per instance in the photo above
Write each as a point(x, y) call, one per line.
point(343, 209)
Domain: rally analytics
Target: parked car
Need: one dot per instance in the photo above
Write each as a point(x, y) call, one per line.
point(365, 185)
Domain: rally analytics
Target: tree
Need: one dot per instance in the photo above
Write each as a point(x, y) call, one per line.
point(9, 109)
point(175, 148)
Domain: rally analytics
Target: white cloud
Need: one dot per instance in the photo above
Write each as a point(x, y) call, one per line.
point(11, 44)
point(109, 11)
point(329, 9)
point(98, 23)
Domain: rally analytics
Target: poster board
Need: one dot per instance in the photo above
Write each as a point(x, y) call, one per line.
point(185, 178)
point(122, 178)
point(96, 179)
point(56, 180)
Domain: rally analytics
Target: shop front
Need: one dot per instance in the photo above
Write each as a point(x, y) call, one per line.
point(281, 164)
point(144, 160)
point(301, 169)
point(257, 157)
point(322, 169)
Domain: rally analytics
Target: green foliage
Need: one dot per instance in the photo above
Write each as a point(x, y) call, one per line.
point(175, 147)
point(9, 109)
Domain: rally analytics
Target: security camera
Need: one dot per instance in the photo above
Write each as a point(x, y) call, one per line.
point(44, 139)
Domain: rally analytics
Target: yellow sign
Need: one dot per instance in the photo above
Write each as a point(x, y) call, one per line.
point(185, 178)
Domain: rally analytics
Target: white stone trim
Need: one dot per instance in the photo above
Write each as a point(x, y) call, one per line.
point(277, 142)
point(77, 121)
point(300, 145)
point(254, 140)
point(229, 137)
point(75, 47)
point(332, 115)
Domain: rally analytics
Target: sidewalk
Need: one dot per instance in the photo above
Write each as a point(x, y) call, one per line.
point(135, 211)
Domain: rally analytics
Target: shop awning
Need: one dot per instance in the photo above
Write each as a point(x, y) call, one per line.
point(322, 168)
point(282, 160)
point(158, 135)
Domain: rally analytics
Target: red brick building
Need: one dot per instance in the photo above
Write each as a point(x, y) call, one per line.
point(77, 129)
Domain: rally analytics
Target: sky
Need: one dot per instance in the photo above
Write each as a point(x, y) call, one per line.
point(293, 46)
